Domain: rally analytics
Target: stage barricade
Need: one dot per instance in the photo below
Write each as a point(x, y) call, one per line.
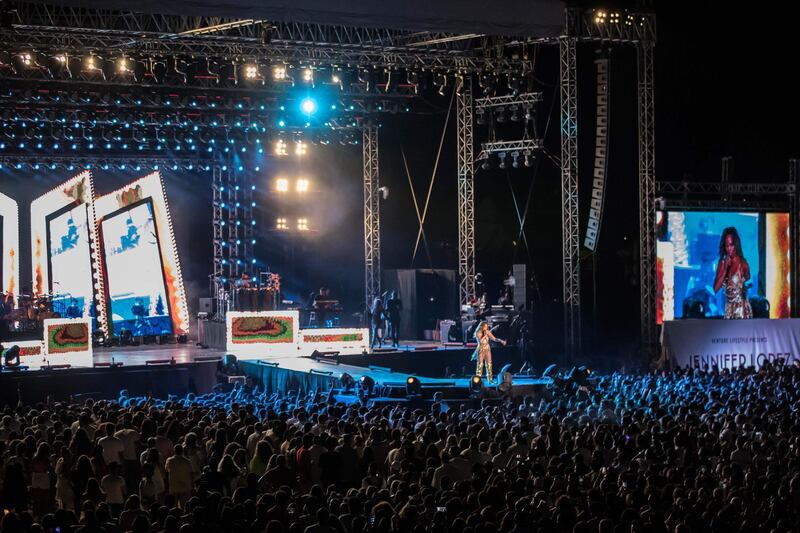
point(730, 343)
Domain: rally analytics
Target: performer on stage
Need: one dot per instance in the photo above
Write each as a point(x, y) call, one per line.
point(394, 306)
point(377, 321)
point(483, 352)
point(732, 272)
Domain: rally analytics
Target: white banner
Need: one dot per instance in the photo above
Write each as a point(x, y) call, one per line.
point(731, 343)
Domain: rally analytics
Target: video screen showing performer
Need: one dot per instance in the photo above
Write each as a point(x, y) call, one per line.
point(723, 265)
point(732, 273)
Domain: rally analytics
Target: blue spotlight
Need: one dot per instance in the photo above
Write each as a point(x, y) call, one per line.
point(281, 123)
point(308, 106)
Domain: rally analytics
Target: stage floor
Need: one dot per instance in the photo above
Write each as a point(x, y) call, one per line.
point(188, 353)
point(181, 368)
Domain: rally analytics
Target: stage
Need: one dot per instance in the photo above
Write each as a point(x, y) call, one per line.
point(177, 369)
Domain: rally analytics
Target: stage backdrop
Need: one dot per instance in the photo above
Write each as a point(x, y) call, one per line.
point(731, 343)
point(9, 245)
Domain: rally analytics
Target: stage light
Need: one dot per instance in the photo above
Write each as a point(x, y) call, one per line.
point(308, 75)
point(61, 58)
point(336, 78)
point(302, 224)
point(281, 123)
point(413, 386)
point(299, 148)
point(515, 159)
point(502, 156)
point(26, 59)
point(279, 72)
point(282, 185)
point(476, 384)
point(367, 384)
point(308, 106)
point(514, 113)
point(123, 65)
point(528, 158)
point(250, 72)
point(506, 379)
point(480, 116)
point(347, 382)
point(501, 114)
point(280, 147)
point(412, 78)
point(440, 80)
point(302, 185)
point(281, 224)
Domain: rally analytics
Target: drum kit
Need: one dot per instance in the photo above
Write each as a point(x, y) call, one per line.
point(31, 311)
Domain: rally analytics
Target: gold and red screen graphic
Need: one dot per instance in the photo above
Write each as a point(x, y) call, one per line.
point(28, 351)
point(262, 329)
point(66, 338)
point(336, 337)
point(777, 265)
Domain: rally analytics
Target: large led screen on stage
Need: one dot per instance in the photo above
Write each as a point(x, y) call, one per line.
point(136, 286)
point(692, 255)
point(9, 247)
point(69, 261)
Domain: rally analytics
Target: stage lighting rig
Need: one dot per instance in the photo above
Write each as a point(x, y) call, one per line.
point(280, 147)
point(528, 158)
point(365, 77)
point(413, 387)
point(440, 81)
point(412, 78)
point(302, 224)
point(300, 148)
point(302, 185)
point(279, 72)
point(515, 159)
point(282, 185)
point(486, 164)
point(502, 157)
point(308, 76)
point(281, 224)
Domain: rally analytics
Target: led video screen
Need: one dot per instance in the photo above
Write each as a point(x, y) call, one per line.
point(9, 247)
point(136, 286)
point(69, 261)
point(694, 259)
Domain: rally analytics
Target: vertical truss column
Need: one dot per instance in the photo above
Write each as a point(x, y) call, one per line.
point(372, 220)
point(466, 194)
point(647, 183)
point(218, 188)
point(569, 196)
point(794, 236)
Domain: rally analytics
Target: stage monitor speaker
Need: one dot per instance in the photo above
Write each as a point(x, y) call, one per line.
point(520, 273)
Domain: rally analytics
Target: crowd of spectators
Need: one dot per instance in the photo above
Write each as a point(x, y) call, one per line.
point(678, 452)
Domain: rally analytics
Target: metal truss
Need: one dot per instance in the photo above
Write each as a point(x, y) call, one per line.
point(569, 198)
point(794, 234)
point(100, 162)
point(372, 219)
point(73, 17)
point(524, 99)
point(615, 26)
point(647, 182)
point(509, 146)
point(76, 30)
point(719, 189)
point(233, 226)
point(466, 194)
